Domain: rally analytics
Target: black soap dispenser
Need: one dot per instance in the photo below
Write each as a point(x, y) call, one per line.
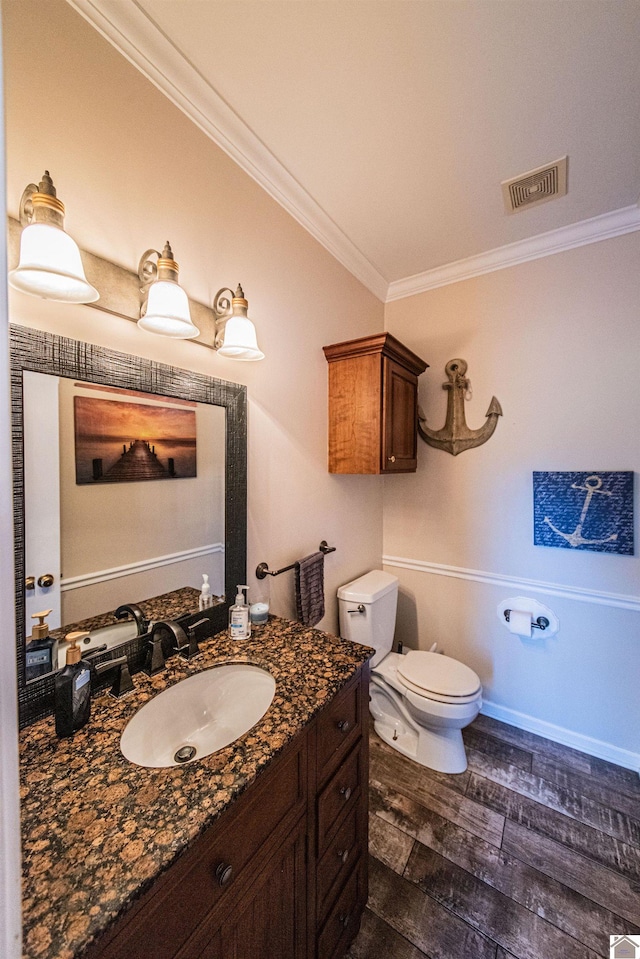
point(41, 655)
point(73, 690)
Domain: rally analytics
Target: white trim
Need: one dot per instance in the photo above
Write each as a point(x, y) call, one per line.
point(134, 34)
point(598, 597)
point(604, 227)
point(566, 737)
point(10, 853)
point(117, 572)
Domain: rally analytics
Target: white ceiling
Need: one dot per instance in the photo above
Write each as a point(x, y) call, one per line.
point(386, 126)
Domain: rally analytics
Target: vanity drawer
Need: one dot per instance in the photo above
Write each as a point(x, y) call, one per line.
point(343, 920)
point(338, 726)
point(340, 795)
point(216, 870)
point(338, 859)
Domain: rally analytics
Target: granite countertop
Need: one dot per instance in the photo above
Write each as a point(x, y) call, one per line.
point(166, 606)
point(97, 830)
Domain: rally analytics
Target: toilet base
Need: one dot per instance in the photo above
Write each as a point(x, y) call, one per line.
point(441, 749)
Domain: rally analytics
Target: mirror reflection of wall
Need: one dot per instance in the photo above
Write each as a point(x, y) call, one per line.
point(120, 541)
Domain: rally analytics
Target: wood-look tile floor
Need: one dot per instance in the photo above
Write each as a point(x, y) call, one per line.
point(532, 853)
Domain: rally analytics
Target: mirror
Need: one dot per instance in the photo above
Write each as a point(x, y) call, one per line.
point(72, 369)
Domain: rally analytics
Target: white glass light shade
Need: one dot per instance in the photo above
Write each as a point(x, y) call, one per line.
point(168, 312)
point(50, 266)
point(240, 341)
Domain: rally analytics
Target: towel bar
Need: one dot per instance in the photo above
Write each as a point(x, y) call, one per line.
point(262, 570)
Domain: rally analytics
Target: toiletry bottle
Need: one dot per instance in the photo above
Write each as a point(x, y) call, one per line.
point(41, 654)
point(73, 690)
point(239, 622)
point(205, 600)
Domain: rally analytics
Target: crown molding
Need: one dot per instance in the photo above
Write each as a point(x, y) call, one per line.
point(131, 31)
point(128, 28)
point(603, 227)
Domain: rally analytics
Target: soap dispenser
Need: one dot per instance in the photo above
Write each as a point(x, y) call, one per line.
point(205, 600)
point(239, 622)
point(41, 654)
point(72, 701)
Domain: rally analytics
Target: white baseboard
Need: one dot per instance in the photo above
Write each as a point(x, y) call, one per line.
point(557, 734)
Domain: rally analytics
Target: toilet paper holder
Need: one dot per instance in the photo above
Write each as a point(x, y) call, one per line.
point(540, 623)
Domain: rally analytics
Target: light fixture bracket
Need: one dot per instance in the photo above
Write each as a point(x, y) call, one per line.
point(39, 204)
point(222, 311)
point(235, 334)
point(165, 268)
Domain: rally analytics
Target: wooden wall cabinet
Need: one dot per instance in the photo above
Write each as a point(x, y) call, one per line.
point(373, 405)
point(283, 872)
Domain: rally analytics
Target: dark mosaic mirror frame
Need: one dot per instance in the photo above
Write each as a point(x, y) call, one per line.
point(60, 356)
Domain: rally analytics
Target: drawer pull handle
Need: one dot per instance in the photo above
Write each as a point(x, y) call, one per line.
point(223, 874)
point(344, 920)
point(345, 792)
point(344, 725)
point(343, 854)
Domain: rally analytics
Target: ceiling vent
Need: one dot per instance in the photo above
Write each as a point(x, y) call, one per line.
point(537, 186)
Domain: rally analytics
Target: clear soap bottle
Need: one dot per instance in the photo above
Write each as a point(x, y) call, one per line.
point(205, 600)
point(239, 621)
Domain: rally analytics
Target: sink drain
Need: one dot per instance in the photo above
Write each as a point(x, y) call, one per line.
point(184, 754)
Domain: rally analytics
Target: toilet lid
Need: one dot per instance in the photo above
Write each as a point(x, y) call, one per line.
point(435, 673)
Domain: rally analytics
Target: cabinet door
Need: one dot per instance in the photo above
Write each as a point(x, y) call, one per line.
point(272, 919)
point(399, 446)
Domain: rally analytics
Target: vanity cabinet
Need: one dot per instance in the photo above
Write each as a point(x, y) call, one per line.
point(283, 872)
point(373, 405)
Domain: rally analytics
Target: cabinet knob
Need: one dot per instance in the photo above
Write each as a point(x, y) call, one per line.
point(223, 874)
point(391, 459)
point(344, 725)
point(343, 854)
point(344, 919)
point(345, 792)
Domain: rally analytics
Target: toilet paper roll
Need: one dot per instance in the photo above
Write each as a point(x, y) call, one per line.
point(520, 622)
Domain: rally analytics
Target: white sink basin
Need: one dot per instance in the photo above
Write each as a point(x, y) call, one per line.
point(198, 715)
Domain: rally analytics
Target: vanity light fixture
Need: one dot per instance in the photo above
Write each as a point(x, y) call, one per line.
point(165, 307)
point(235, 333)
point(50, 265)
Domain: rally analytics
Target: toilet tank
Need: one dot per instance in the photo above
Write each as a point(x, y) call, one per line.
point(367, 608)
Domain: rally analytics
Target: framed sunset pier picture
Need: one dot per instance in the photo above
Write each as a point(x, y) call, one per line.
point(121, 441)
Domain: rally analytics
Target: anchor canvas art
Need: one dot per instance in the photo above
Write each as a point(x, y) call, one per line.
point(585, 511)
point(119, 441)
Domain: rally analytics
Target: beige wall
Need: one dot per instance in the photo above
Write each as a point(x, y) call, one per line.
point(130, 523)
point(556, 340)
point(133, 172)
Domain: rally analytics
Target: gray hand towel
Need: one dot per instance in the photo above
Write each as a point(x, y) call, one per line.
point(310, 589)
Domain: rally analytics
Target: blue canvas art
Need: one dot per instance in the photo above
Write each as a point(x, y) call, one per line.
point(592, 511)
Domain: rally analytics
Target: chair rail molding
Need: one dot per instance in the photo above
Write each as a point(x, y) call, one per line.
point(577, 593)
point(143, 566)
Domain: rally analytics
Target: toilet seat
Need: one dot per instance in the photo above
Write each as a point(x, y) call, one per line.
point(438, 677)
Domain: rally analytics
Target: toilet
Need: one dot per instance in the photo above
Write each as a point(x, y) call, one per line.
point(420, 701)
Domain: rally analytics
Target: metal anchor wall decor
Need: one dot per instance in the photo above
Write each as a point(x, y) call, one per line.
point(455, 436)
